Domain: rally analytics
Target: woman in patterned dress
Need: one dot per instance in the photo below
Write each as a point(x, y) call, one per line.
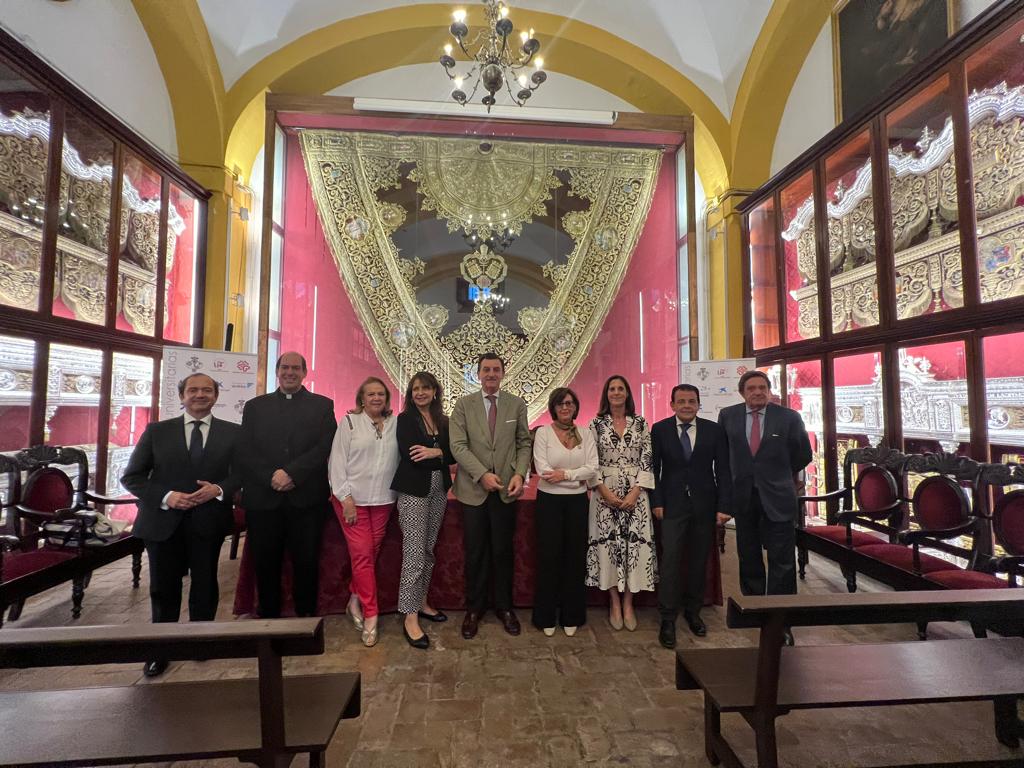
point(621, 556)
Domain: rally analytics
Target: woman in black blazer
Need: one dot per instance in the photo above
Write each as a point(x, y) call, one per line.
point(422, 481)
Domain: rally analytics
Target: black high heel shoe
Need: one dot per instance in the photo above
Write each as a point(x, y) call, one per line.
point(437, 618)
point(420, 642)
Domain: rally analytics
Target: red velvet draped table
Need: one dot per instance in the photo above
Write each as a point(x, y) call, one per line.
point(447, 586)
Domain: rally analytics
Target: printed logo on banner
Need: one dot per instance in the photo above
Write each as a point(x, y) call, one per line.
point(235, 374)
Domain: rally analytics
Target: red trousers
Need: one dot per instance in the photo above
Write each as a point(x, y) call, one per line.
point(364, 538)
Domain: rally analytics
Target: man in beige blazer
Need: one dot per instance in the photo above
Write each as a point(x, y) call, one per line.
point(490, 440)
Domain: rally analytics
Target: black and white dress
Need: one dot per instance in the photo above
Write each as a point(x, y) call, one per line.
point(620, 551)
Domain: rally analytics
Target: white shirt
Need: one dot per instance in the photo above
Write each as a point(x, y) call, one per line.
point(580, 463)
point(204, 431)
point(363, 461)
point(691, 430)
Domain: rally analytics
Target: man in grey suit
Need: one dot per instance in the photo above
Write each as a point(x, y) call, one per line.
point(490, 440)
point(768, 448)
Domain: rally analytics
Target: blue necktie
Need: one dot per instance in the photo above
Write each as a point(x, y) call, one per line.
point(195, 446)
point(684, 440)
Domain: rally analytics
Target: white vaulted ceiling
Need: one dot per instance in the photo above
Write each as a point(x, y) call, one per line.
point(708, 41)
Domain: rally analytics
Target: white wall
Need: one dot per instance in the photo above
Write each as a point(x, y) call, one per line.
point(810, 110)
point(428, 82)
point(101, 46)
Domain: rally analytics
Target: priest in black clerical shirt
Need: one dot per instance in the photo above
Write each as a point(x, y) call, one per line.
point(283, 448)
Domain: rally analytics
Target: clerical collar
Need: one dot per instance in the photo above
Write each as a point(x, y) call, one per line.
point(289, 395)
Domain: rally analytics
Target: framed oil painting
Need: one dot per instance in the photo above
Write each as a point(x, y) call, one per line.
point(876, 42)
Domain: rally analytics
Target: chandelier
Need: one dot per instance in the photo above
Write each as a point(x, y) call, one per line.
point(495, 64)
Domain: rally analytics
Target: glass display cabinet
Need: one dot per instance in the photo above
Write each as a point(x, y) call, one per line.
point(901, 323)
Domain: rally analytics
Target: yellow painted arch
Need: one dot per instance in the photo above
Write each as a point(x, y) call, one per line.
point(362, 45)
point(781, 48)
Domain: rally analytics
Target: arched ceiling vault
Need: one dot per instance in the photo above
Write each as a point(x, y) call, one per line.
point(225, 128)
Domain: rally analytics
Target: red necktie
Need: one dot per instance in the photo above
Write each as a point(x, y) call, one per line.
point(492, 413)
point(755, 432)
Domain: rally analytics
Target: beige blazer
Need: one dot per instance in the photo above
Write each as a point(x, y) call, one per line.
point(507, 454)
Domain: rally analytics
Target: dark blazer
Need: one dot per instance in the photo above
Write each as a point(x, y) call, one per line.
point(294, 435)
point(704, 484)
point(784, 451)
point(413, 477)
point(160, 464)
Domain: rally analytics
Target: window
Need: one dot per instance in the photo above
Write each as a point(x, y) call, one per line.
point(800, 259)
point(764, 297)
point(1004, 400)
point(933, 398)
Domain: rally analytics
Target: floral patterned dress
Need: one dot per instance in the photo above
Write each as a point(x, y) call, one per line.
point(620, 551)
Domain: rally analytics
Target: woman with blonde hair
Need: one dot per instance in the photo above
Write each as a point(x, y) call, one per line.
point(363, 460)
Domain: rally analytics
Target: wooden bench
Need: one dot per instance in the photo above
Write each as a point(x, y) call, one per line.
point(770, 680)
point(265, 721)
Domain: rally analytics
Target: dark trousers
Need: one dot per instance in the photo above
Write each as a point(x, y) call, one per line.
point(273, 531)
point(487, 531)
point(169, 561)
point(560, 523)
point(685, 543)
point(754, 533)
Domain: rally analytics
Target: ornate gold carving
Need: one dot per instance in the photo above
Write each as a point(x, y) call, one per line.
point(19, 263)
point(481, 187)
point(465, 184)
point(483, 268)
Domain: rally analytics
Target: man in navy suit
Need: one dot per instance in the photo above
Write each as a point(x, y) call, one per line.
point(768, 448)
point(692, 485)
point(181, 472)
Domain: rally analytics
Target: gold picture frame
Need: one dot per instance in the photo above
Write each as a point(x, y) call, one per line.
point(915, 37)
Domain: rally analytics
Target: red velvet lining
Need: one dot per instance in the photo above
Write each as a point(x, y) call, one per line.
point(967, 580)
point(47, 490)
point(939, 504)
point(18, 564)
point(837, 533)
point(875, 489)
point(903, 557)
point(1009, 522)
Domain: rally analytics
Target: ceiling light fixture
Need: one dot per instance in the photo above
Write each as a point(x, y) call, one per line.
point(495, 64)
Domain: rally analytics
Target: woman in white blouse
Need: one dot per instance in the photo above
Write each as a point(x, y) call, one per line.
point(363, 461)
point(566, 460)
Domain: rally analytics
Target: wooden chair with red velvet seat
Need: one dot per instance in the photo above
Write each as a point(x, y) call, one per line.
point(873, 501)
point(52, 519)
point(1007, 520)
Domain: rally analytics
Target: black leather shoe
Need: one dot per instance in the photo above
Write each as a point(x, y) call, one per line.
point(696, 624)
point(787, 637)
point(154, 668)
point(470, 625)
point(422, 642)
point(437, 618)
point(667, 634)
point(509, 621)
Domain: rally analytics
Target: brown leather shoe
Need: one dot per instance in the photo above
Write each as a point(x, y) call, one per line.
point(509, 621)
point(470, 625)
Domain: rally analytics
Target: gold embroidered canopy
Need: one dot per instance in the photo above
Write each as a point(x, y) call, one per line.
point(488, 192)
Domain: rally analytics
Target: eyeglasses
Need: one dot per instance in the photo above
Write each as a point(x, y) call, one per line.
point(566, 404)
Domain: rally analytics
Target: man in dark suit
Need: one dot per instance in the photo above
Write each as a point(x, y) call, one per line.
point(768, 448)
point(181, 472)
point(692, 485)
point(283, 448)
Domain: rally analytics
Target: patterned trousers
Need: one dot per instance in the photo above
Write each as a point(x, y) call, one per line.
point(420, 520)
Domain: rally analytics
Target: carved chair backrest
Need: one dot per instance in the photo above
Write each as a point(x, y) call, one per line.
point(1008, 510)
point(47, 487)
point(878, 481)
point(946, 498)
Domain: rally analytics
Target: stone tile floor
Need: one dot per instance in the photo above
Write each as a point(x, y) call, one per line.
point(601, 698)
